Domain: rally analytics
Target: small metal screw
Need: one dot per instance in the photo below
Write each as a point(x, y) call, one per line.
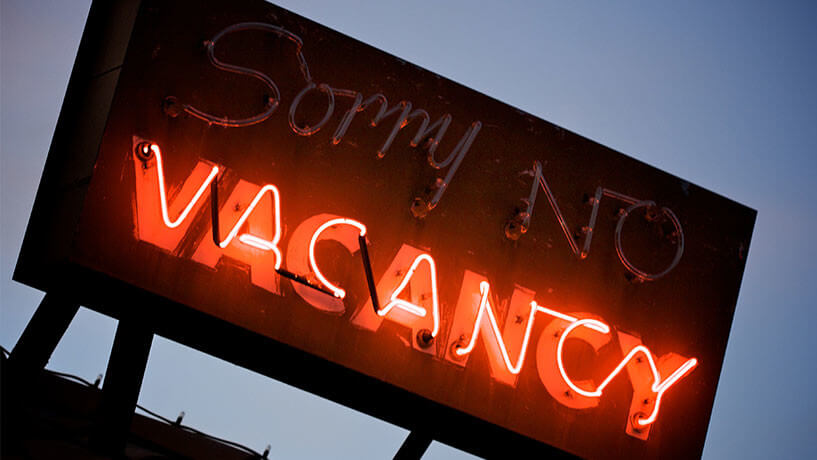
point(634, 421)
point(143, 151)
point(515, 227)
point(171, 107)
point(652, 214)
point(419, 207)
point(424, 338)
point(633, 279)
point(456, 345)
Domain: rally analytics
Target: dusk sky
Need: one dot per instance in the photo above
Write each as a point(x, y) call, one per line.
point(723, 94)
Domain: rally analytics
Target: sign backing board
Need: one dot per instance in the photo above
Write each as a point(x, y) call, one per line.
point(232, 166)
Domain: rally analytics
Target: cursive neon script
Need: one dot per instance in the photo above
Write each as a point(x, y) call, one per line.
point(429, 135)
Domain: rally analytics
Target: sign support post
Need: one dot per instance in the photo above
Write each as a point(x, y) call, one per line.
point(123, 380)
point(28, 357)
point(414, 446)
point(42, 334)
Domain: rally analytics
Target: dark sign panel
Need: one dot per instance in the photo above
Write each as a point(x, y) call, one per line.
point(416, 240)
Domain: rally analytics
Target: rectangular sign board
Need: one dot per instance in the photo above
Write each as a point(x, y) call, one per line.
point(273, 192)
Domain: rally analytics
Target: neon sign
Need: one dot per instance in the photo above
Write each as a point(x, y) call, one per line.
point(148, 157)
point(361, 213)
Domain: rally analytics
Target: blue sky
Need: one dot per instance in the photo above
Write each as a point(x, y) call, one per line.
point(719, 93)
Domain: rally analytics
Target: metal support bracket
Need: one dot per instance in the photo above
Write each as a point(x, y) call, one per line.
point(43, 332)
point(28, 358)
point(123, 380)
point(414, 446)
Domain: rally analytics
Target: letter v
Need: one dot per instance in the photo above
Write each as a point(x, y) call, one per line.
point(154, 224)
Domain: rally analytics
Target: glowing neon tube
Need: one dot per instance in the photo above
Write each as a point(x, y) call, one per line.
point(484, 306)
point(252, 240)
point(410, 307)
point(338, 292)
point(658, 386)
point(163, 194)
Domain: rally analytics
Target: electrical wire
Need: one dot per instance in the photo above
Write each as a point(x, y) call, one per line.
point(200, 433)
point(155, 415)
point(73, 377)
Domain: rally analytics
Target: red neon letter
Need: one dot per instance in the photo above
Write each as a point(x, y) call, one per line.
point(658, 386)
point(551, 370)
point(648, 387)
point(644, 374)
point(301, 256)
point(414, 313)
point(474, 305)
point(396, 302)
point(339, 293)
point(259, 210)
point(158, 222)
